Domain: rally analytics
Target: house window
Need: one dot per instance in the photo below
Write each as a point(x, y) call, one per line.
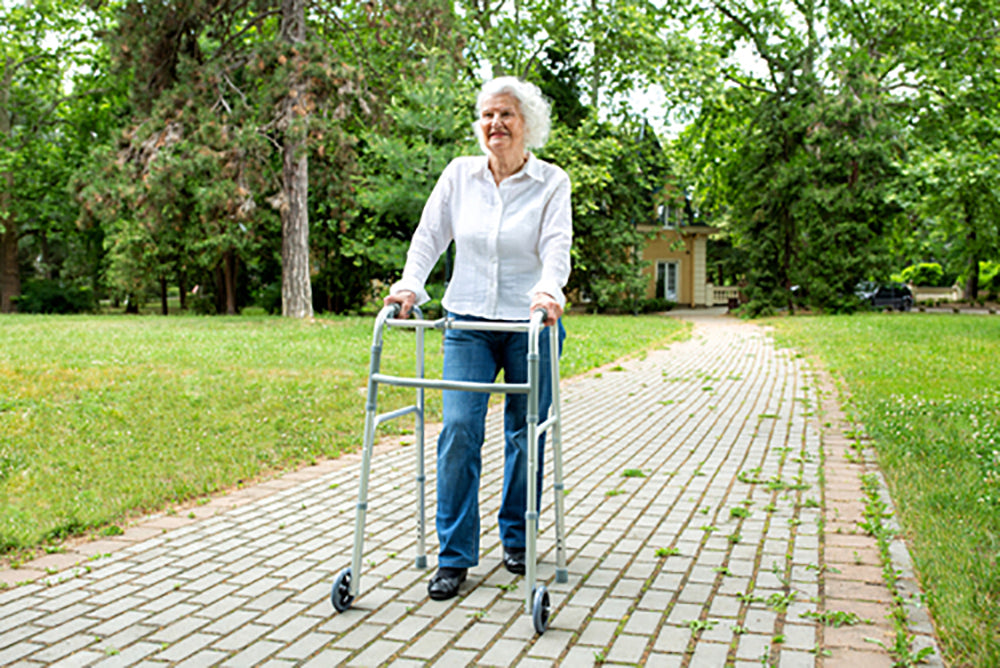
point(666, 280)
point(665, 215)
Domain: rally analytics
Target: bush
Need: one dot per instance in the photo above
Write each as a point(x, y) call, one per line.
point(929, 274)
point(989, 277)
point(50, 296)
point(202, 304)
point(269, 298)
point(657, 304)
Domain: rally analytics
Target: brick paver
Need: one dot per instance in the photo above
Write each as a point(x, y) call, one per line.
point(707, 553)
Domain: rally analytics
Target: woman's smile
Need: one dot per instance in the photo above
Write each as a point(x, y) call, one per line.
point(502, 122)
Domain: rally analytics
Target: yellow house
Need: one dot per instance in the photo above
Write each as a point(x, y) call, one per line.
point(676, 254)
point(677, 257)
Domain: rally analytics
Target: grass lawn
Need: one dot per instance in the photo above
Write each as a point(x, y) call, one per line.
point(926, 389)
point(102, 417)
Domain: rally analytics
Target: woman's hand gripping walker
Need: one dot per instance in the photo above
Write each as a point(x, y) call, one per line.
point(346, 587)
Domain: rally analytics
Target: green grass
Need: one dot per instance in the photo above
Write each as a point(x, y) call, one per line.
point(926, 390)
point(103, 417)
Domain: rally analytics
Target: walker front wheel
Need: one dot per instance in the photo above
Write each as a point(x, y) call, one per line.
point(540, 609)
point(341, 594)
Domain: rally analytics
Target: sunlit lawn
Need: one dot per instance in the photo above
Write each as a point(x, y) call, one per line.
point(103, 417)
point(926, 388)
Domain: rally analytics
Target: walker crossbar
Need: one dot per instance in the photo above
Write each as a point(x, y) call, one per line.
point(451, 323)
point(348, 583)
point(505, 388)
point(402, 412)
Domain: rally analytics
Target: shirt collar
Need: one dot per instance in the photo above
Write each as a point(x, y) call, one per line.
point(532, 169)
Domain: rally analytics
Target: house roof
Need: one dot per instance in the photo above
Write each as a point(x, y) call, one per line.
point(698, 229)
point(685, 230)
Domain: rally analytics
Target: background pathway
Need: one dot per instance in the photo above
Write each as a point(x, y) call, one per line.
point(694, 532)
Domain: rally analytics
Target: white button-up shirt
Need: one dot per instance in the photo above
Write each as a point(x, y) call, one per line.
point(511, 240)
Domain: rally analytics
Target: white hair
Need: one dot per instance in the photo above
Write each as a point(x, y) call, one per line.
point(534, 108)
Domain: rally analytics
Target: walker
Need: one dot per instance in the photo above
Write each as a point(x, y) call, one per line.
point(347, 585)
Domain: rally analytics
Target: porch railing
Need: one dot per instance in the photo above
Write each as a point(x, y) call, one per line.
point(721, 294)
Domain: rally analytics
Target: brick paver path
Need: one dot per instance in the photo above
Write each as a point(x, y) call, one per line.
point(706, 554)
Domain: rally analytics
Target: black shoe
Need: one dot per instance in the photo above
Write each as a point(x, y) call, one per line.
point(445, 583)
point(513, 560)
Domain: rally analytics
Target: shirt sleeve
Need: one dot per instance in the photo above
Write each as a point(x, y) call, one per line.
point(555, 241)
point(431, 238)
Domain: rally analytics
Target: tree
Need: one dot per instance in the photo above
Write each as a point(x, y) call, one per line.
point(614, 171)
point(179, 199)
point(431, 124)
point(560, 79)
point(225, 93)
point(258, 92)
point(956, 137)
point(236, 107)
point(296, 287)
point(39, 43)
point(800, 158)
point(611, 47)
point(413, 95)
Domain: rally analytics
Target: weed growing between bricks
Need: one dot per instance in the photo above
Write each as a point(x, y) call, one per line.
point(778, 489)
point(876, 511)
point(821, 527)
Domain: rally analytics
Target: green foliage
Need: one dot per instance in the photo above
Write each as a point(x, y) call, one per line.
point(269, 298)
point(803, 159)
point(989, 277)
point(431, 124)
point(614, 171)
point(196, 183)
point(845, 139)
point(657, 305)
point(52, 109)
point(559, 79)
point(955, 169)
point(923, 273)
point(181, 198)
point(48, 296)
point(409, 75)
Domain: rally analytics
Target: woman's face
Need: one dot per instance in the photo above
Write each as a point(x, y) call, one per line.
point(502, 124)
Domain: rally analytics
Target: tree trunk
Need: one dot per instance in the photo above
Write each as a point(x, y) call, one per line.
point(219, 298)
point(182, 289)
point(296, 290)
point(164, 308)
point(229, 280)
point(971, 292)
point(10, 277)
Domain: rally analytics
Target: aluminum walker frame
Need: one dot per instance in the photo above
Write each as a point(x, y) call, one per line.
point(347, 585)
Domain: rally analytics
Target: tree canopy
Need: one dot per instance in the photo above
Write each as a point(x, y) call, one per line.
point(278, 153)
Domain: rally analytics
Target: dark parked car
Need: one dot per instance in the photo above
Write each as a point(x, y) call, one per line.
point(887, 295)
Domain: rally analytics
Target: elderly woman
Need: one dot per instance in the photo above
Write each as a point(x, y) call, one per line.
point(509, 215)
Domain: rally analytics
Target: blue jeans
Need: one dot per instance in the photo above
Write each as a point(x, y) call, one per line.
point(479, 356)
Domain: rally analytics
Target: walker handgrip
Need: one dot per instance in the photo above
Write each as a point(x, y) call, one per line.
point(545, 314)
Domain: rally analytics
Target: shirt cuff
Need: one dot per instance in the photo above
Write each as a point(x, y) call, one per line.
point(549, 287)
point(413, 286)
